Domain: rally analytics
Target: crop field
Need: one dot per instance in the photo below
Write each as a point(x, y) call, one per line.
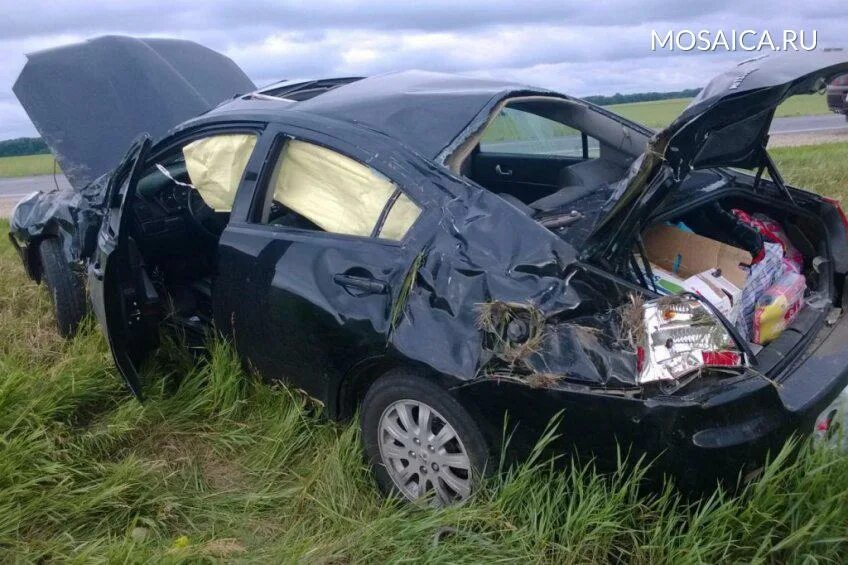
point(26, 166)
point(218, 466)
point(660, 113)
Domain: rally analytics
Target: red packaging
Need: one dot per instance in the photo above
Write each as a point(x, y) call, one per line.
point(773, 232)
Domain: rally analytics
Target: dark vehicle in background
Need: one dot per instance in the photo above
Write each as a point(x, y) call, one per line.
point(444, 254)
point(837, 95)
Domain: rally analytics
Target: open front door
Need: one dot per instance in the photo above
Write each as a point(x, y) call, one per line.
point(122, 295)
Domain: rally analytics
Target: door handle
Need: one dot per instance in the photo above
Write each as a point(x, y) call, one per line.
point(503, 172)
point(360, 286)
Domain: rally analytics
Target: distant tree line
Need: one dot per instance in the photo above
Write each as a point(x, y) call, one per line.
point(23, 146)
point(641, 97)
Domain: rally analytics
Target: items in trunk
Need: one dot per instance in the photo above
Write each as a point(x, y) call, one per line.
point(750, 272)
point(762, 276)
point(773, 232)
point(778, 306)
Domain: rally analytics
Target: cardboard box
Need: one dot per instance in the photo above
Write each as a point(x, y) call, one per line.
point(666, 282)
point(685, 260)
point(685, 254)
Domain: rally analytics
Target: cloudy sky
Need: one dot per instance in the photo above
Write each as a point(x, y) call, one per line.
point(581, 48)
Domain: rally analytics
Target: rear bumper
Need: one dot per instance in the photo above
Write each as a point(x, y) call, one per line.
point(699, 441)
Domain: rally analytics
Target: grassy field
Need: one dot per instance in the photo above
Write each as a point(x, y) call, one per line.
point(660, 113)
point(215, 465)
point(822, 168)
point(26, 166)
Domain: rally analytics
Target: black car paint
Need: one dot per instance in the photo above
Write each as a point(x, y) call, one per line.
point(90, 100)
point(281, 295)
point(312, 332)
point(721, 433)
point(116, 282)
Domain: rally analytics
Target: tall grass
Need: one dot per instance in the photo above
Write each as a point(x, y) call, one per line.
point(216, 465)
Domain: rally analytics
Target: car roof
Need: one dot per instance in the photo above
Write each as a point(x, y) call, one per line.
point(428, 111)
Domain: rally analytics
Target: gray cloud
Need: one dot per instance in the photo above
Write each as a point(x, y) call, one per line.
point(579, 47)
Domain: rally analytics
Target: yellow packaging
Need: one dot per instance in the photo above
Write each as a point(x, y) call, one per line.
point(778, 306)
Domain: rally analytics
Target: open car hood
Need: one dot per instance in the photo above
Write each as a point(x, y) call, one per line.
point(90, 100)
point(726, 125)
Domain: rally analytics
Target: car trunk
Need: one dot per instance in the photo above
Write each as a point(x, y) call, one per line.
point(709, 218)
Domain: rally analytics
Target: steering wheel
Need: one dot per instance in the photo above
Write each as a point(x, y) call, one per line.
point(208, 222)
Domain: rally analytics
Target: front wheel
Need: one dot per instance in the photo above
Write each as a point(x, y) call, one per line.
point(420, 441)
point(67, 290)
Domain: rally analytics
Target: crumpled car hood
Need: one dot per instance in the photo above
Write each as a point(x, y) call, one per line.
point(90, 100)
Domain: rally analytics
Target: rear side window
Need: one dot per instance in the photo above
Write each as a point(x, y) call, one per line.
point(316, 188)
point(523, 133)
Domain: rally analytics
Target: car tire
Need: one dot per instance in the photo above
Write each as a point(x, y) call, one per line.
point(66, 288)
point(447, 455)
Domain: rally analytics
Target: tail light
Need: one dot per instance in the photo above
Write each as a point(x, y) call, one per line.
point(681, 337)
point(840, 81)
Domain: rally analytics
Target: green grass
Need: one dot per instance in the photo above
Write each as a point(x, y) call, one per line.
point(215, 465)
point(660, 113)
point(821, 168)
point(26, 166)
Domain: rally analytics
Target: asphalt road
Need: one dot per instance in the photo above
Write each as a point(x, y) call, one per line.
point(809, 124)
point(20, 187)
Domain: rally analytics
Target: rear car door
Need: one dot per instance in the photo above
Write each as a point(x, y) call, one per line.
point(307, 285)
point(119, 287)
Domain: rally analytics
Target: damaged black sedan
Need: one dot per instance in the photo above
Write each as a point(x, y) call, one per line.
point(447, 254)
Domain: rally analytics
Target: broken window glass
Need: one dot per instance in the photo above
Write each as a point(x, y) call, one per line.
point(519, 132)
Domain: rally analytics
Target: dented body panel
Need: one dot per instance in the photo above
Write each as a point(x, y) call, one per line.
point(516, 320)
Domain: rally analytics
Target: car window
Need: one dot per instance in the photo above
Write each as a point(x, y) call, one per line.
point(316, 188)
point(214, 166)
point(524, 133)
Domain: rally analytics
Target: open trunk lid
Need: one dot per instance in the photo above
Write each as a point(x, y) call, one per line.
point(726, 125)
point(90, 100)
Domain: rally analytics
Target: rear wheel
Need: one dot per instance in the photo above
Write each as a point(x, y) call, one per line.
point(420, 441)
point(67, 290)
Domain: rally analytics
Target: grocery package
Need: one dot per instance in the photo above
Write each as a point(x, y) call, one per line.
point(773, 232)
point(710, 285)
point(666, 282)
point(762, 276)
point(777, 307)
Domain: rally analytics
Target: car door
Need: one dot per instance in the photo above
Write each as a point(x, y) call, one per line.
point(305, 293)
point(126, 302)
point(119, 287)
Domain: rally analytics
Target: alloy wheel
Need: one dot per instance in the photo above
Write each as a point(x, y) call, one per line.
point(423, 453)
